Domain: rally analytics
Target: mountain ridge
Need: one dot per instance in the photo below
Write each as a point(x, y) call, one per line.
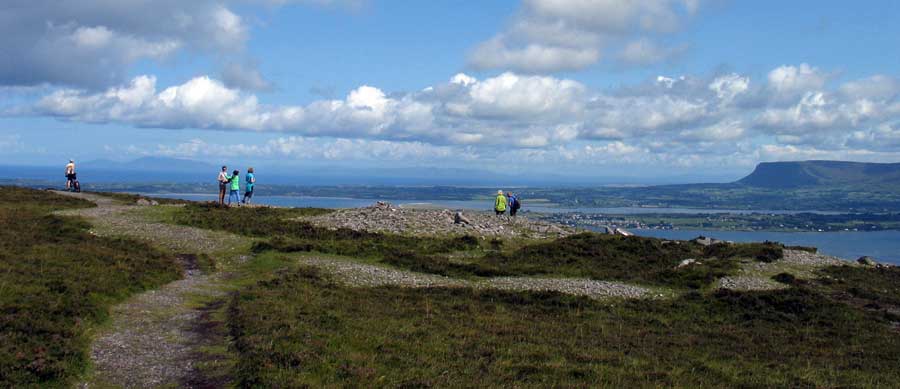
point(821, 173)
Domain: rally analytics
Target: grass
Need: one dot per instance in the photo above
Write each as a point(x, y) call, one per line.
point(57, 281)
point(289, 235)
point(300, 329)
point(643, 260)
point(18, 198)
point(877, 286)
point(131, 198)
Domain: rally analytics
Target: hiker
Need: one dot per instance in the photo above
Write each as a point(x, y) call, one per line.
point(500, 203)
point(70, 175)
point(251, 180)
point(235, 193)
point(513, 204)
point(223, 182)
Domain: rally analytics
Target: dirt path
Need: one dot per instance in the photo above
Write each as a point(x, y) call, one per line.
point(157, 338)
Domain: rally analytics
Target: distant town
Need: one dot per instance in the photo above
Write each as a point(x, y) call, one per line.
point(730, 221)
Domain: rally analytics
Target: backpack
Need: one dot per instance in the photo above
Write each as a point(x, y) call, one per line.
point(516, 203)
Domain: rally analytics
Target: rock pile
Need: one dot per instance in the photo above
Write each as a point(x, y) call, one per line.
point(384, 217)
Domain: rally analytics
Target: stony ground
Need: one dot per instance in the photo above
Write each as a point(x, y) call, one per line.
point(384, 217)
point(153, 337)
point(365, 275)
point(758, 275)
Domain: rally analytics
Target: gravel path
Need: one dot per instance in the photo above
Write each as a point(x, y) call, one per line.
point(356, 274)
point(153, 337)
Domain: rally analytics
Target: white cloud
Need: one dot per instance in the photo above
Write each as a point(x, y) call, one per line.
point(790, 81)
point(535, 58)
point(729, 86)
point(877, 87)
point(723, 131)
point(668, 115)
point(92, 43)
point(554, 35)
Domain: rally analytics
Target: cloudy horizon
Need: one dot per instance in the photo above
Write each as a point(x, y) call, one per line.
point(539, 86)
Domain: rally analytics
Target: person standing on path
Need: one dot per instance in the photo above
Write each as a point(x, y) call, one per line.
point(223, 182)
point(251, 182)
point(512, 203)
point(500, 203)
point(70, 175)
point(235, 193)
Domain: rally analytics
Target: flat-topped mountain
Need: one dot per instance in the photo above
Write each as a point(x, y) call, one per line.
point(789, 175)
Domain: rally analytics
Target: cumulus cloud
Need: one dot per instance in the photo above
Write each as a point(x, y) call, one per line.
point(92, 43)
point(789, 81)
point(555, 35)
point(305, 148)
point(684, 115)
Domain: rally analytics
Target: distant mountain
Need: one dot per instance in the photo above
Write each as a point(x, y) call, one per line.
point(151, 164)
point(793, 175)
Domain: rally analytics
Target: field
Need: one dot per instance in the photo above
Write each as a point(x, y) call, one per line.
point(287, 321)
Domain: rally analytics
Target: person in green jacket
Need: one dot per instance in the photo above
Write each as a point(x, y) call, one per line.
point(500, 203)
point(235, 180)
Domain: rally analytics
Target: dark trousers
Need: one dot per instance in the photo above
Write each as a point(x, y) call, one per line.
point(222, 190)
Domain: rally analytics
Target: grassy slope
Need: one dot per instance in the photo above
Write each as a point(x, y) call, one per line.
point(300, 329)
point(56, 281)
point(297, 327)
point(642, 260)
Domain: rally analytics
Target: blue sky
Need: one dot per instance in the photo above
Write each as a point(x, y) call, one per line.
point(647, 87)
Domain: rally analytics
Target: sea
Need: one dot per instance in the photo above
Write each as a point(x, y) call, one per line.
point(884, 246)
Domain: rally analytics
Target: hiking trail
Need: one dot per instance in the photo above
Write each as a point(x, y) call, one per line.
point(156, 338)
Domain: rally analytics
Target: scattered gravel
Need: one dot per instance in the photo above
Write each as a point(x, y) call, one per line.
point(363, 275)
point(573, 286)
point(150, 340)
point(747, 283)
point(758, 275)
point(806, 258)
point(153, 337)
point(356, 274)
point(384, 217)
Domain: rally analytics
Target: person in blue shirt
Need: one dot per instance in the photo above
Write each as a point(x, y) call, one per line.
point(513, 202)
point(251, 182)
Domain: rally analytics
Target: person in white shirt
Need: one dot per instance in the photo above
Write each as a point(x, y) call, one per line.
point(223, 184)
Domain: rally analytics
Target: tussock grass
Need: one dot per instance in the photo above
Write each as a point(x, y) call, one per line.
point(56, 281)
point(300, 329)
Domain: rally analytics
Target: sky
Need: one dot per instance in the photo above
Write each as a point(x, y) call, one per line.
point(644, 88)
